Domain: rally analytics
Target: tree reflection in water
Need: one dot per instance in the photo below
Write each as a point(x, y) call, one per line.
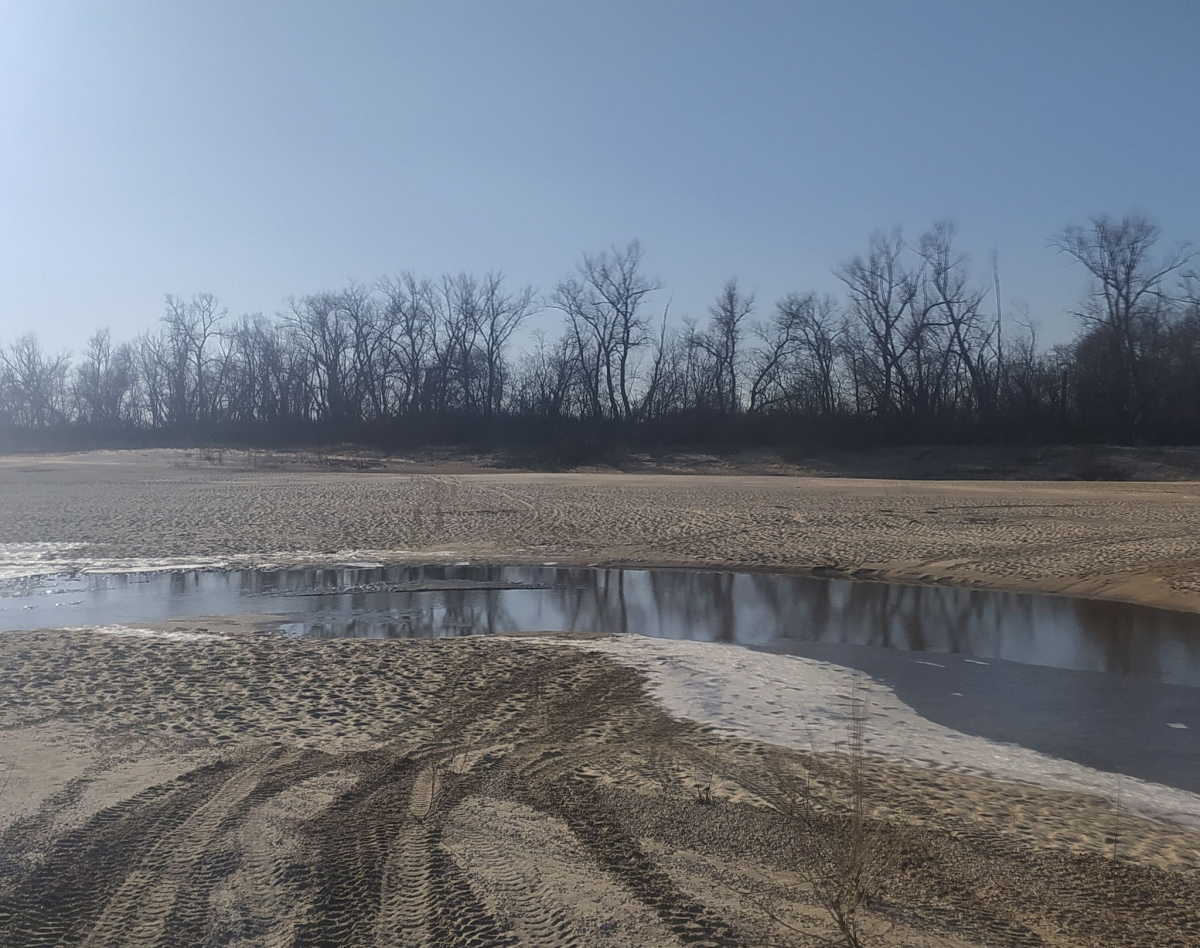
point(760, 609)
point(773, 610)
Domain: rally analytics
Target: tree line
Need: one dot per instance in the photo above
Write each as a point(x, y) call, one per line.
point(917, 347)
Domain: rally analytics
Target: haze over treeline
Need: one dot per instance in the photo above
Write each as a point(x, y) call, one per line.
point(918, 347)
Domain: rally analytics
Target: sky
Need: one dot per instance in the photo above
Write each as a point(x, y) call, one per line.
point(265, 150)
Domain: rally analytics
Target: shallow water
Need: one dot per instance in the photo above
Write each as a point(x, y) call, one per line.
point(757, 609)
point(1109, 685)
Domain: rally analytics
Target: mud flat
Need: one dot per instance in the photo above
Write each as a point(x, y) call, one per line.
point(165, 786)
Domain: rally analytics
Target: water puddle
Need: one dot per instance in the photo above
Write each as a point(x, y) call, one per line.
point(789, 613)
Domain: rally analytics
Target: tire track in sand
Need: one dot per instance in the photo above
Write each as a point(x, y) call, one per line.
point(91, 887)
point(520, 793)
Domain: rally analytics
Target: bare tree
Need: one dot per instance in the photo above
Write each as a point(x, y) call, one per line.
point(816, 326)
point(408, 305)
point(591, 343)
point(366, 381)
point(456, 309)
point(723, 342)
point(152, 378)
point(1128, 300)
point(958, 307)
point(908, 352)
point(884, 299)
point(776, 344)
point(603, 304)
point(547, 381)
point(36, 383)
point(319, 328)
point(191, 329)
point(105, 381)
point(500, 315)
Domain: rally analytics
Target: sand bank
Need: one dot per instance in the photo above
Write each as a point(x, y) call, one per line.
point(1133, 541)
point(188, 785)
point(256, 791)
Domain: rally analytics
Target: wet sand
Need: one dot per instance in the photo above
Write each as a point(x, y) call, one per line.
point(196, 783)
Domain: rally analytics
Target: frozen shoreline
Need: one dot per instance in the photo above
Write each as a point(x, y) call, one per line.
point(804, 704)
point(24, 561)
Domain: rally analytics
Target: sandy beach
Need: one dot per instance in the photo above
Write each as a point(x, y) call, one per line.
point(197, 783)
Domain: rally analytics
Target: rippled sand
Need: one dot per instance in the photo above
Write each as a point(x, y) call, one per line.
point(1127, 541)
point(249, 790)
point(198, 784)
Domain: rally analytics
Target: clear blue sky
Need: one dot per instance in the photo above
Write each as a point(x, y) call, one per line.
point(257, 150)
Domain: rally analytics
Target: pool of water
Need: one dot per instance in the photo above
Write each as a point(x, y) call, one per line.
point(1110, 685)
point(765, 610)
